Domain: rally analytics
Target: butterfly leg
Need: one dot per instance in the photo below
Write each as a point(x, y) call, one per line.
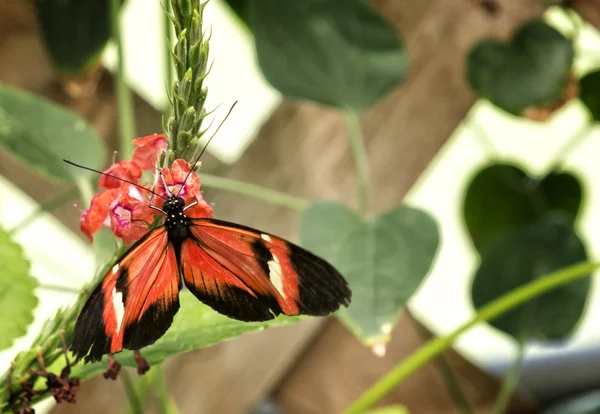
point(142, 364)
point(191, 205)
point(113, 368)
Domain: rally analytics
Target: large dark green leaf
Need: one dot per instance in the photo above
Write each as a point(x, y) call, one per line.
point(522, 255)
point(195, 326)
point(589, 93)
point(17, 296)
point(334, 52)
point(42, 134)
point(75, 31)
point(532, 70)
point(384, 259)
point(502, 196)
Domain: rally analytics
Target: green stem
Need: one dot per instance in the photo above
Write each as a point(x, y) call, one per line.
point(46, 206)
point(511, 381)
point(572, 143)
point(126, 121)
point(483, 138)
point(134, 401)
point(488, 312)
point(160, 386)
point(256, 191)
point(445, 370)
point(359, 152)
point(168, 63)
point(58, 288)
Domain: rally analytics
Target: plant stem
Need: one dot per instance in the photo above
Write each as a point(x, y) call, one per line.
point(572, 143)
point(162, 395)
point(483, 138)
point(445, 370)
point(488, 312)
point(126, 121)
point(47, 206)
point(168, 63)
point(134, 401)
point(59, 288)
point(256, 191)
point(511, 381)
point(361, 165)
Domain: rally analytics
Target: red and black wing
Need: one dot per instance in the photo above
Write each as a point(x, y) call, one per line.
point(135, 303)
point(253, 276)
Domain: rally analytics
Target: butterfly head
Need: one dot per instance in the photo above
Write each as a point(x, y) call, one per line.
point(173, 204)
point(176, 221)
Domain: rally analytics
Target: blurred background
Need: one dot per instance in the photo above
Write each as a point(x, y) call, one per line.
point(424, 141)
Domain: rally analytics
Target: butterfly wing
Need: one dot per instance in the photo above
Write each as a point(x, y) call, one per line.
point(253, 276)
point(135, 303)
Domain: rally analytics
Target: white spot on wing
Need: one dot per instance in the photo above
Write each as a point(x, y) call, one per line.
point(275, 275)
point(115, 268)
point(265, 237)
point(118, 307)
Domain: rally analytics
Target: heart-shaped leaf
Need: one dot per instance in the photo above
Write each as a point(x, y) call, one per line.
point(42, 134)
point(522, 255)
point(502, 196)
point(532, 71)
point(334, 52)
point(195, 326)
point(17, 296)
point(589, 93)
point(75, 32)
point(384, 259)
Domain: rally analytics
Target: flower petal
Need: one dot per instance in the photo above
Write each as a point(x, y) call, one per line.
point(91, 219)
point(176, 178)
point(125, 170)
point(147, 149)
point(129, 217)
point(200, 210)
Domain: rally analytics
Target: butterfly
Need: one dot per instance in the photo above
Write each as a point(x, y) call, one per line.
point(238, 271)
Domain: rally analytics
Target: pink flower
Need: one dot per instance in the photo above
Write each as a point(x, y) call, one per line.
point(125, 208)
point(126, 170)
point(147, 149)
point(188, 188)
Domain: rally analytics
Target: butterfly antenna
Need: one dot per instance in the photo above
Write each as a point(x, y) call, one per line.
point(206, 146)
point(114, 176)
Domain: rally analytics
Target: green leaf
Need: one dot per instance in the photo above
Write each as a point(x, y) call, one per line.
point(589, 93)
point(195, 326)
point(563, 192)
point(531, 70)
point(17, 296)
point(522, 255)
point(75, 32)
point(334, 52)
point(384, 259)
point(42, 134)
point(502, 196)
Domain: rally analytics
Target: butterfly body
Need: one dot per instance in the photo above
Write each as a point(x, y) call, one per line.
point(240, 272)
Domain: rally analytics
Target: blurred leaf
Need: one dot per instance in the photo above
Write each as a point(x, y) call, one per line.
point(522, 255)
point(241, 9)
point(589, 93)
point(41, 134)
point(502, 196)
point(588, 403)
point(195, 326)
point(563, 192)
point(532, 70)
point(384, 259)
point(389, 409)
point(75, 31)
point(17, 291)
point(334, 52)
